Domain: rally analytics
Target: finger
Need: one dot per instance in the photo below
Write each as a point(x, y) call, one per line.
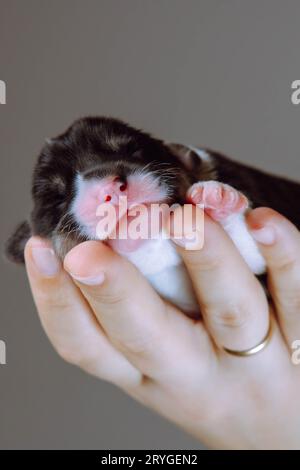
point(279, 242)
point(135, 318)
point(68, 321)
point(231, 299)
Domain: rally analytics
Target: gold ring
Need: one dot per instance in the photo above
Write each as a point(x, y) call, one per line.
point(259, 347)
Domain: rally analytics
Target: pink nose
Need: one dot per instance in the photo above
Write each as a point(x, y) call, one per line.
point(112, 190)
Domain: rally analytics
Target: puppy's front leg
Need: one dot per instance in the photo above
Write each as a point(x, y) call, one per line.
point(228, 206)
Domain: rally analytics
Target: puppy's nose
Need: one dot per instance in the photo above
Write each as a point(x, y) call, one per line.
point(112, 190)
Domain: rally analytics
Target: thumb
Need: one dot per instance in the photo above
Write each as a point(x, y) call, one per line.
point(129, 310)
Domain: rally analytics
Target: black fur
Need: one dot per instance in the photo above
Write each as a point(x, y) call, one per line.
point(262, 189)
point(14, 247)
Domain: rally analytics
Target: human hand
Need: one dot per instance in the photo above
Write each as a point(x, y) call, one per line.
point(102, 315)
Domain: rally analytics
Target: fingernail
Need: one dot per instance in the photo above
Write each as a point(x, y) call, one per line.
point(265, 235)
point(46, 261)
point(89, 280)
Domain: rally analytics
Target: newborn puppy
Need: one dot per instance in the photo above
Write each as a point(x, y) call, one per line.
point(99, 159)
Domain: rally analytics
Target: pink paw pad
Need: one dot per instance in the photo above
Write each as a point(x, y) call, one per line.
point(219, 200)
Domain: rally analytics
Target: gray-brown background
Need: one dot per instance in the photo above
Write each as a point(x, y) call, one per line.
point(212, 72)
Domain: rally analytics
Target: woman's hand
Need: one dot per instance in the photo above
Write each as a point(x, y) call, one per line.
point(102, 315)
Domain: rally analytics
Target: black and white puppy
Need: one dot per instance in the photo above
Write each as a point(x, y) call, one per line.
point(100, 158)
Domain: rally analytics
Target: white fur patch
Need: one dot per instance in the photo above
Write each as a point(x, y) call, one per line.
point(236, 227)
point(160, 263)
point(154, 256)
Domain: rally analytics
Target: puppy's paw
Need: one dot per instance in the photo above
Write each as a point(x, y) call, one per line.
point(218, 199)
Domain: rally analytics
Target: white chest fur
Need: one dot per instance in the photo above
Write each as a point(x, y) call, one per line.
point(160, 263)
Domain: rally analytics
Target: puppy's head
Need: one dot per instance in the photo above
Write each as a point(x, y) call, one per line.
point(96, 161)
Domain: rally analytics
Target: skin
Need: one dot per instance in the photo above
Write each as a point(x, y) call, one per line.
point(94, 312)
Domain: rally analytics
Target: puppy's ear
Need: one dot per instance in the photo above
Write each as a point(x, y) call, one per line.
point(198, 162)
point(14, 247)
